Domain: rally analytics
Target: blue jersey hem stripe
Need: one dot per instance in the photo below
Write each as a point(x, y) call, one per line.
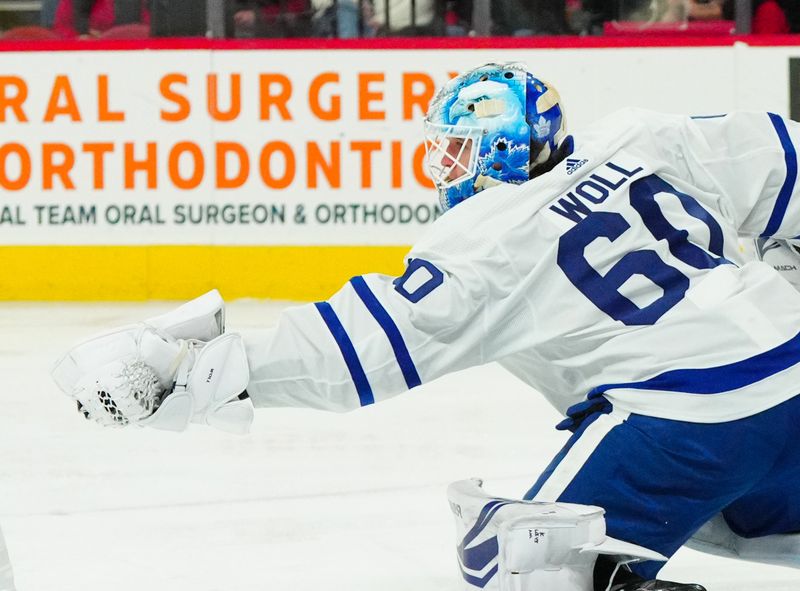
point(716, 380)
point(345, 345)
point(388, 325)
point(785, 193)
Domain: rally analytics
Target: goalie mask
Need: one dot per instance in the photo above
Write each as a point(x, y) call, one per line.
point(491, 125)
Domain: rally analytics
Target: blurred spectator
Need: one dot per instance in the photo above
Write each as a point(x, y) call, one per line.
point(82, 18)
point(769, 18)
point(341, 19)
point(47, 13)
point(89, 18)
point(593, 14)
point(697, 10)
point(400, 20)
point(522, 18)
point(578, 19)
point(776, 17)
point(178, 18)
point(129, 12)
point(457, 18)
point(28, 33)
point(792, 11)
point(272, 18)
point(642, 10)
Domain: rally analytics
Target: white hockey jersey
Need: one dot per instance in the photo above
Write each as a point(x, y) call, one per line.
point(616, 274)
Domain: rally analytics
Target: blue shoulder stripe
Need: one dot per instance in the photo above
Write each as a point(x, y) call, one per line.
point(388, 325)
point(785, 194)
point(348, 352)
point(723, 378)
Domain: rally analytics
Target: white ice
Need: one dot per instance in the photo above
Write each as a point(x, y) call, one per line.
point(310, 501)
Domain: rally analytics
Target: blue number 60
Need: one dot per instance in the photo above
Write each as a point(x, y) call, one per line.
point(603, 290)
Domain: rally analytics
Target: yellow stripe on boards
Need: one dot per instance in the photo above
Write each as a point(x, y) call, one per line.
point(130, 273)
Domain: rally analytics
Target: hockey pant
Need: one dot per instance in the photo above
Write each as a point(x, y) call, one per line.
point(660, 480)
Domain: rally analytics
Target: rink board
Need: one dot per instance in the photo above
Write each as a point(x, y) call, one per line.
point(129, 273)
point(129, 174)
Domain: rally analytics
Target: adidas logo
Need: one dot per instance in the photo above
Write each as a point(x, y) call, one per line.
point(574, 164)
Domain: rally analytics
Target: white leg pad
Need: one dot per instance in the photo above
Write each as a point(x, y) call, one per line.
point(6, 575)
point(715, 537)
point(511, 545)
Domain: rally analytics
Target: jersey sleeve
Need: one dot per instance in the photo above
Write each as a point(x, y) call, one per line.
point(750, 159)
point(454, 307)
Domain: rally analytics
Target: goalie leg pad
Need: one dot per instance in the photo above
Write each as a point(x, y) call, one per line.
point(6, 575)
point(510, 545)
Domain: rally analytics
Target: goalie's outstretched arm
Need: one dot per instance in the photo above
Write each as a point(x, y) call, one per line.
point(453, 307)
point(376, 337)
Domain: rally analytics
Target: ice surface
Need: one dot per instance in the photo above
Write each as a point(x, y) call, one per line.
point(309, 501)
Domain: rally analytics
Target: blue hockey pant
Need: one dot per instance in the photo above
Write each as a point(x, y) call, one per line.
point(659, 480)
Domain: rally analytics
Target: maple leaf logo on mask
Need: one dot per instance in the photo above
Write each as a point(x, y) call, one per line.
point(542, 127)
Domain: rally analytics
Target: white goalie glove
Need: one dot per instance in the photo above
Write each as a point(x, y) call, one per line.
point(164, 373)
